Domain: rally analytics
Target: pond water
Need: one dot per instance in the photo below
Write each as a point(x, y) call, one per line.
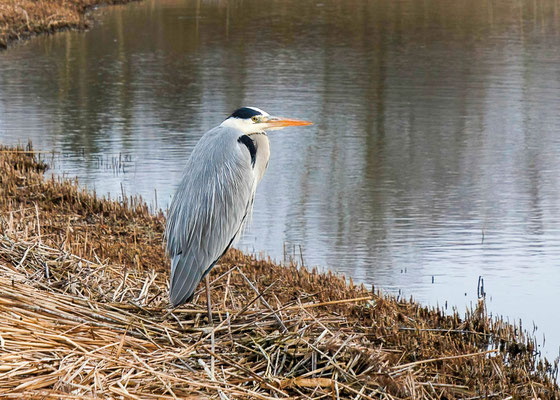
point(434, 158)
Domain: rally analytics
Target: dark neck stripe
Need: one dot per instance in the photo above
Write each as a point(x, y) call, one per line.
point(247, 141)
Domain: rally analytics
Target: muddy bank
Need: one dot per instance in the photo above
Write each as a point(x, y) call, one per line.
point(84, 311)
point(20, 19)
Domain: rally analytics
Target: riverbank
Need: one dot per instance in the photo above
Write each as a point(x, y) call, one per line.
point(20, 19)
point(84, 312)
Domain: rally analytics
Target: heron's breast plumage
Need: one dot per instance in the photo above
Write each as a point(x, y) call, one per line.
point(263, 154)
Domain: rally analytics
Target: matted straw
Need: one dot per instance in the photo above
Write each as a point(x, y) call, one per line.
point(84, 312)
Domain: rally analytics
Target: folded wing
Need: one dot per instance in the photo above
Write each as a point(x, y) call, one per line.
point(207, 214)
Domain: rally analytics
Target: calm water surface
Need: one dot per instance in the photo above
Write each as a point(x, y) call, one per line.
point(434, 158)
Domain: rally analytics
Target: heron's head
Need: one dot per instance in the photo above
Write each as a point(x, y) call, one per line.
point(251, 120)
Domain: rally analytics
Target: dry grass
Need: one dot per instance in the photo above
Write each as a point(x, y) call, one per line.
point(23, 18)
point(84, 313)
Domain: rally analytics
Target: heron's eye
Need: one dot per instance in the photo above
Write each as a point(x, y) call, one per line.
point(255, 119)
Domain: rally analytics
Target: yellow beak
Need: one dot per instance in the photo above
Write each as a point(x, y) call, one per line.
point(279, 122)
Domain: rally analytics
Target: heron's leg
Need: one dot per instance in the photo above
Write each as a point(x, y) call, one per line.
point(210, 322)
point(207, 280)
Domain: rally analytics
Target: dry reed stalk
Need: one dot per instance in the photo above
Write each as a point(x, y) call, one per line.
point(84, 313)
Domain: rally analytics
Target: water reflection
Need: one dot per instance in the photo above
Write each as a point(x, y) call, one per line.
point(434, 157)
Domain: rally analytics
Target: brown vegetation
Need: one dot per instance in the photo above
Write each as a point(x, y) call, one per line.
point(23, 18)
point(84, 313)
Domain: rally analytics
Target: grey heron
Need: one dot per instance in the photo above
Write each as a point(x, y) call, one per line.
point(214, 199)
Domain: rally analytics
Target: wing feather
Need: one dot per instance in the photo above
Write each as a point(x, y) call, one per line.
point(184, 280)
point(208, 210)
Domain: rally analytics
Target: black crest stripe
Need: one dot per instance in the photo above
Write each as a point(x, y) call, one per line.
point(245, 113)
point(247, 141)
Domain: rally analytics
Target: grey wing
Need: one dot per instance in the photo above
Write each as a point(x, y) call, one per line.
point(207, 214)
